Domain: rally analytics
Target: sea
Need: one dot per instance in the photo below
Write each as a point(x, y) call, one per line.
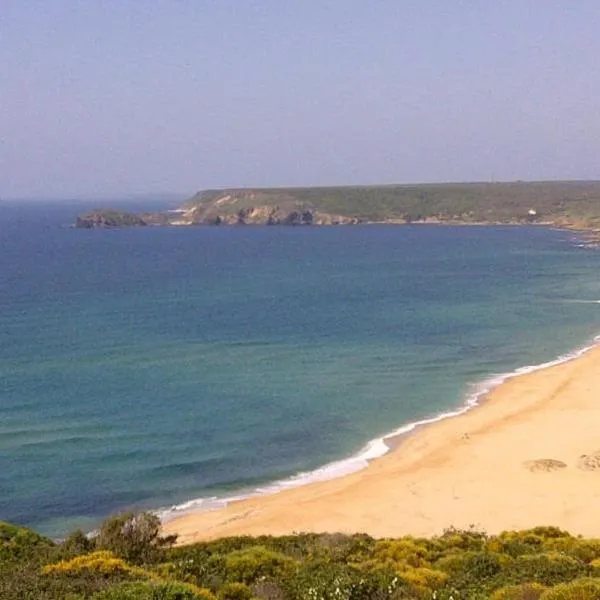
point(173, 369)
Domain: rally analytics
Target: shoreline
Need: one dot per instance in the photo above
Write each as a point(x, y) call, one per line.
point(242, 515)
point(372, 450)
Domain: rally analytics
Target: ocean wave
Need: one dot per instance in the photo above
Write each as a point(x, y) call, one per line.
point(374, 449)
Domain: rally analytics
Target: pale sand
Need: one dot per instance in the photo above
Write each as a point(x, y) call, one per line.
point(438, 477)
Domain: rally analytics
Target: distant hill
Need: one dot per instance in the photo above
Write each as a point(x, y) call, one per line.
point(569, 203)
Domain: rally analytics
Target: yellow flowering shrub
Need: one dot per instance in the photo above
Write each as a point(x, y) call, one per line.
point(101, 562)
point(523, 591)
point(403, 552)
point(424, 578)
point(579, 589)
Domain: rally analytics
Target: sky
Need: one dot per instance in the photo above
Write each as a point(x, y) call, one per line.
point(127, 96)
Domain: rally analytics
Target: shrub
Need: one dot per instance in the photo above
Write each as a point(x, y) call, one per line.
point(319, 581)
point(473, 572)
point(548, 568)
point(101, 563)
point(550, 532)
point(584, 550)
point(248, 565)
point(531, 541)
point(338, 581)
point(402, 552)
point(580, 589)
point(523, 591)
point(341, 547)
point(134, 537)
point(475, 565)
point(77, 543)
point(516, 543)
point(196, 567)
point(19, 543)
point(457, 539)
point(423, 578)
point(235, 591)
point(268, 590)
point(153, 591)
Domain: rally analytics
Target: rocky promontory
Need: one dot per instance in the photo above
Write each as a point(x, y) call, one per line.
point(225, 211)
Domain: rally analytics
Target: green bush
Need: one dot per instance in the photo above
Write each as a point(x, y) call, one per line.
point(474, 573)
point(404, 552)
point(584, 550)
point(338, 581)
point(531, 541)
point(235, 591)
point(548, 568)
point(153, 591)
point(268, 590)
point(340, 547)
point(424, 579)
point(457, 539)
point(473, 565)
point(580, 589)
point(19, 543)
point(133, 537)
point(77, 543)
point(523, 591)
point(516, 543)
point(248, 565)
point(550, 532)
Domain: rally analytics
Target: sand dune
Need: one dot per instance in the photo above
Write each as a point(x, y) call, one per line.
point(529, 455)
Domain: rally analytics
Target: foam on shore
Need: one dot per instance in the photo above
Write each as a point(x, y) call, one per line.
point(373, 449)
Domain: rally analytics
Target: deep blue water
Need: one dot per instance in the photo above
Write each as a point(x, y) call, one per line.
point(147, 367)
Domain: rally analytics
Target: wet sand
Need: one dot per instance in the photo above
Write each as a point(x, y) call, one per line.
point(513, 462)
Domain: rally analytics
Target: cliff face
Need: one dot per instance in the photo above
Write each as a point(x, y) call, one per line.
point(260, 215)
point(250, 207)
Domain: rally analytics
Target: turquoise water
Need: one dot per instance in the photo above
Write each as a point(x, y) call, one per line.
point(145, 368)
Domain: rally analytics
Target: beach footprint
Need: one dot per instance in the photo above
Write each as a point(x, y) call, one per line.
point(546, 465)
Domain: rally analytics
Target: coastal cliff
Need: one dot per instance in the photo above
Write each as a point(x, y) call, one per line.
point(573, 204)
point(247, 207)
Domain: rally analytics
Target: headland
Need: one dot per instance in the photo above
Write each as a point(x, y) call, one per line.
point(573, 204)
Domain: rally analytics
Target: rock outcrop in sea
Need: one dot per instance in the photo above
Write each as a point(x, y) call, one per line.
point(107, 219)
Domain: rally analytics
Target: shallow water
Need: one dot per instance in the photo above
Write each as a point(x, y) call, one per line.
point(148, 367)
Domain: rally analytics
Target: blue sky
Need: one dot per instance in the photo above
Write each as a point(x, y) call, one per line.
point(126, 96)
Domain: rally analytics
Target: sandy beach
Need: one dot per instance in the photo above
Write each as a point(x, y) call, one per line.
point(524, 457)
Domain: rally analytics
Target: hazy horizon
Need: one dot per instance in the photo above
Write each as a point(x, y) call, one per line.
point(124, 99)
point(157, 196)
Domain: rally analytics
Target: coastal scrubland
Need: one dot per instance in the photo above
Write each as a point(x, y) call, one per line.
point(129, 560)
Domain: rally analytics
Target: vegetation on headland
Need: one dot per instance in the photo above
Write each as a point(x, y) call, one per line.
point(518, 202)
point(566, 204)
point(129, 560)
